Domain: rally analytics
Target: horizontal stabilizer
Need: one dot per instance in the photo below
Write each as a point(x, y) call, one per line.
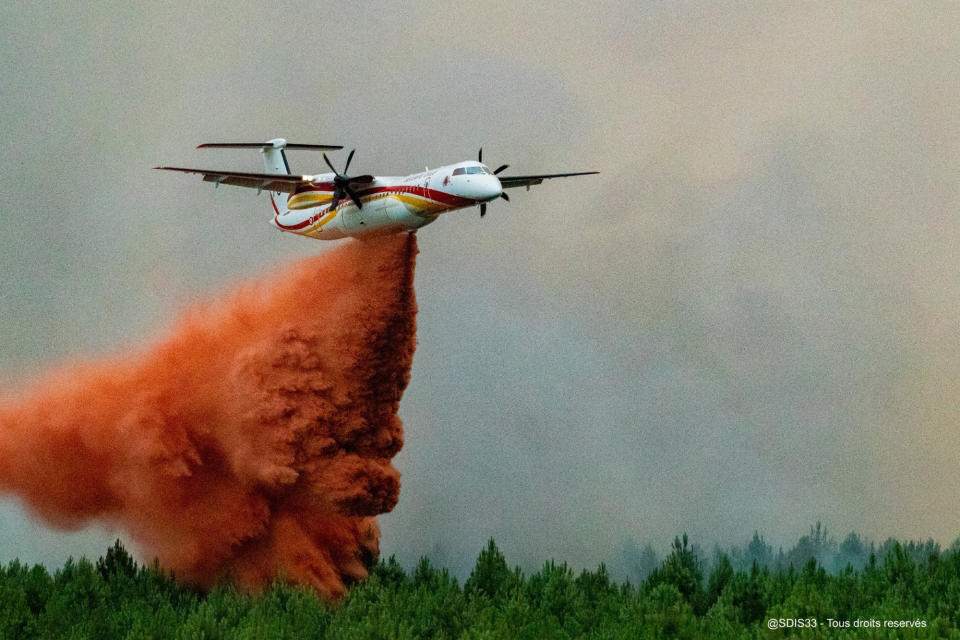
point(276, 144)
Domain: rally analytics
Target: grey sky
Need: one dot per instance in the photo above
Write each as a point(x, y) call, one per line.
point(747, 321)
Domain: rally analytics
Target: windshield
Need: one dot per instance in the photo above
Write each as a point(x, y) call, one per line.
point(471, 170)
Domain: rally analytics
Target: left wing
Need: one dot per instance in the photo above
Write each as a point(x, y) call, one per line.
point(287, 183)
point(525, 181)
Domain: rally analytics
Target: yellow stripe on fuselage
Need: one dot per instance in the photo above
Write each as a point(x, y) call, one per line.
point(424, 205)
point(307, 200)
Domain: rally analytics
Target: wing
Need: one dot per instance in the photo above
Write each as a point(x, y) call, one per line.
point(525, 181)
point(260, 181)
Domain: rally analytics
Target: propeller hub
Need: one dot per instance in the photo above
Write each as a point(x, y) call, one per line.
point(342, 183)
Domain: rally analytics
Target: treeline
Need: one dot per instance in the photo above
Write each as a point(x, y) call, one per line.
point(636, 563)
point(118, 598)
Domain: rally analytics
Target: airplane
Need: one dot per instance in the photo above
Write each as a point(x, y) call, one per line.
point(330, 206)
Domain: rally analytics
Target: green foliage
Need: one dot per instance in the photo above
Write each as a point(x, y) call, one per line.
point(491, 577)
point(117, 598)
point(683, 570)
point(117, 564)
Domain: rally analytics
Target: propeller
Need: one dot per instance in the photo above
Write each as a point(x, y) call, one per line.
point(483, 206)
point(342, 183)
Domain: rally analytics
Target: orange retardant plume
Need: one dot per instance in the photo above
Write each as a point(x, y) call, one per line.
point(254, 440)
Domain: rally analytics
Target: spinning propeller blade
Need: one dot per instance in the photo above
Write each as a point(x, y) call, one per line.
point(342, 183)
point(483, 206)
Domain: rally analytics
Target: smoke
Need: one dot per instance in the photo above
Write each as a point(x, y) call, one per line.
point(255, 439)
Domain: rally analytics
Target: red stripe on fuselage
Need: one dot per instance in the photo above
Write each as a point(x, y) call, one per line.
point(423, 192)
point(300, 225)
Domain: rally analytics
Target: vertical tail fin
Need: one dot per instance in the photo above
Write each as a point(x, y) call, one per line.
point(275, 161)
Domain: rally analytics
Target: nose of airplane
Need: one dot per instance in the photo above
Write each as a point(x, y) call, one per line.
point(475, 184)
point(484, 188)
point(493, 186)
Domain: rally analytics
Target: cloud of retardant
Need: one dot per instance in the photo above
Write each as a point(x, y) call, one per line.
point(255, 438)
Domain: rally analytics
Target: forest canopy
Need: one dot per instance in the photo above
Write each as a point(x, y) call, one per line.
point(914, 586)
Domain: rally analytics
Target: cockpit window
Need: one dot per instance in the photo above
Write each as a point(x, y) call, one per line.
point(470, 170)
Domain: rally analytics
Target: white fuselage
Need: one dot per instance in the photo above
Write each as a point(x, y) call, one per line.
point(390, 204)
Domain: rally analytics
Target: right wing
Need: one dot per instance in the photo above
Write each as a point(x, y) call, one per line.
point(287, 183)
point(525, 181)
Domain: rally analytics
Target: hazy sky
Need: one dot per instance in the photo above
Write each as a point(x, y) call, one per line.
point(747, 321)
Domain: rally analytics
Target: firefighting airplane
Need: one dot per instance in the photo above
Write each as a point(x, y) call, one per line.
point(330, 206)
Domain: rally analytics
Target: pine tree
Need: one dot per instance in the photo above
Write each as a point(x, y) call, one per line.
point(490, 576)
